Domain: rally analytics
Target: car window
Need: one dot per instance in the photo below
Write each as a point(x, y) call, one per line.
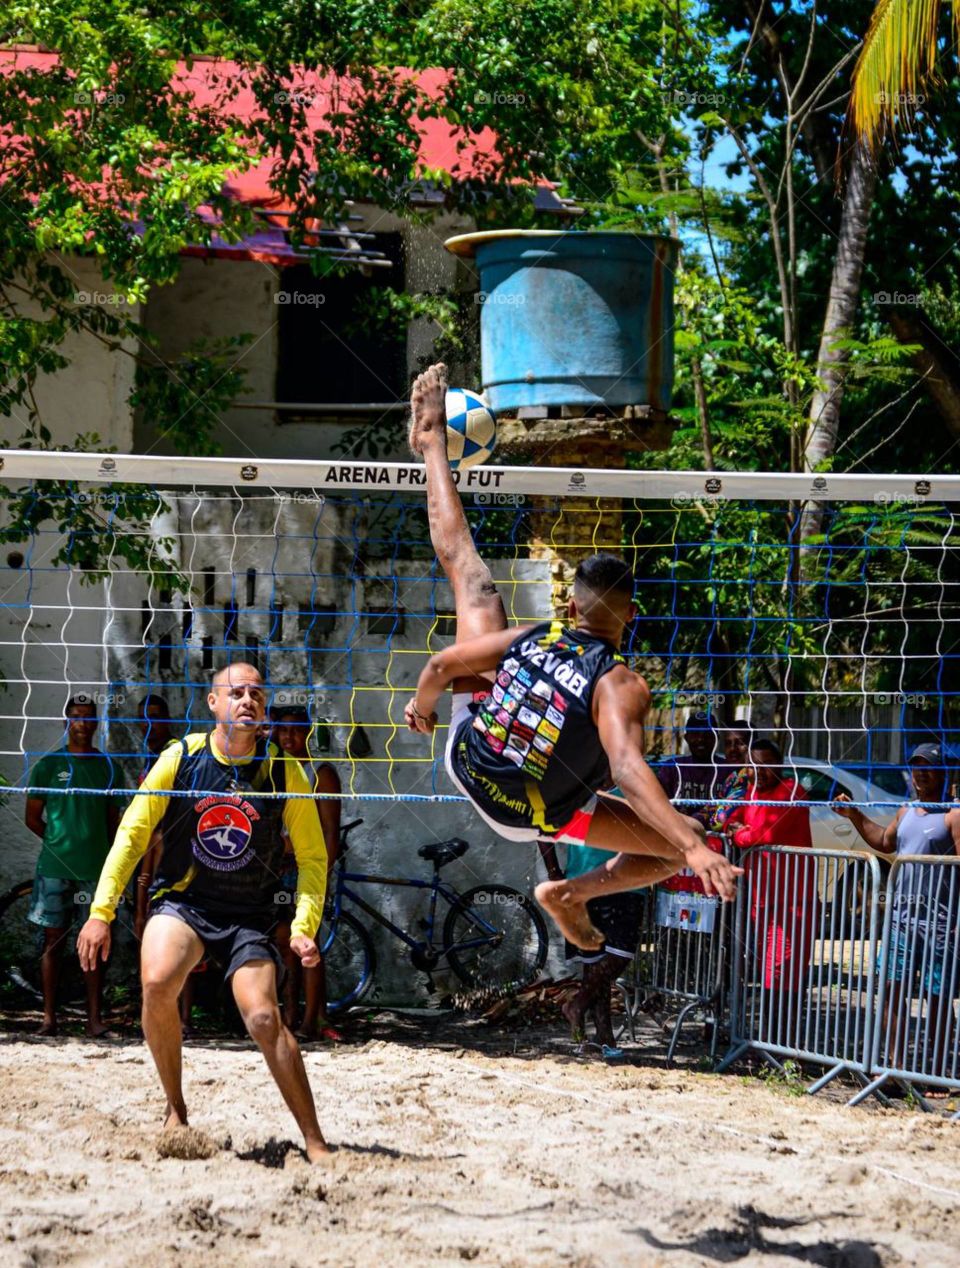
point(819, 785)
point(889, 778)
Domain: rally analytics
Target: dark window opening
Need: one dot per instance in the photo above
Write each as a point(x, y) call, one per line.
point(446, 624)
point(328, 353)
point(315, 624)
point(385, 621)
point(165, 652)
point(230, 615)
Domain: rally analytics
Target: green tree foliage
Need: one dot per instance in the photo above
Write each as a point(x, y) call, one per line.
point(626, 106)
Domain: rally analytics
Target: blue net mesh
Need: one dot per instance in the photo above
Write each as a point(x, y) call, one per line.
point(841, 643)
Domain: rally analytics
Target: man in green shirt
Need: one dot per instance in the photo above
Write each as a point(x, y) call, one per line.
point(77, 830)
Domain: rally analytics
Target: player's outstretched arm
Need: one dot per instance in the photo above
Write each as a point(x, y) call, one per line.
point(620, 704)
point(463, 660)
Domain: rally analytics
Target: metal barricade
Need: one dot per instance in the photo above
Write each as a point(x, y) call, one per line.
point(916, 1038)
point(681, 955)
point(803, 984)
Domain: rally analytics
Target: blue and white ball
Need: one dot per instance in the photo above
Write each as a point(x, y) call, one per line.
point(471, 429)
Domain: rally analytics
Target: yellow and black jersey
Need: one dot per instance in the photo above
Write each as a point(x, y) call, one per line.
point(531, 756)
point(222, 839)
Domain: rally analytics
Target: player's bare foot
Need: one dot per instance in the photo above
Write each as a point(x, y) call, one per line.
point(175, 1117)
point(48, 1030)
point(427, 411)
point(317, 1151)
point(99, 1030)
point(570, 916)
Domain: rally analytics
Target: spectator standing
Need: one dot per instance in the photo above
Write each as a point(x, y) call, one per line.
point(618, 918)
point(696, 776)
point(736, 781)
point(782, 887)
point(291, 732)
point(923, 937)
point(154, 725)
point(76, 828)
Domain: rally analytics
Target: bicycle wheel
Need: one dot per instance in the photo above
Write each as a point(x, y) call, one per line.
point(349, 960)
point(21, 944)
point(495, 937)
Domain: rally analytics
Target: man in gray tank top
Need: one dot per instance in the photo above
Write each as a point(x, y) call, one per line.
point(926, 911)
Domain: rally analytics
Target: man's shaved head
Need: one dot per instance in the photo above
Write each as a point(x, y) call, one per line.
point(238, 698)
point(240, 669)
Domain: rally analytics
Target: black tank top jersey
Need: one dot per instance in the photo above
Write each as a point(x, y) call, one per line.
point(532, 755)
point(223, 848)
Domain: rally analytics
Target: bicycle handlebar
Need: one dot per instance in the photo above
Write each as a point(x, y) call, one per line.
point(348, 827)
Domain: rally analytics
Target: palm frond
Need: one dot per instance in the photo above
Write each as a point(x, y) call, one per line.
point(898, 60)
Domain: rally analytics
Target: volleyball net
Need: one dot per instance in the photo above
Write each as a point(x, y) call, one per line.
point(825, 611)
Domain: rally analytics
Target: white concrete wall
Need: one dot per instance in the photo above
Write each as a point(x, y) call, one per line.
point(57, 636)
point(51, 626)
point(214, 298)
point(303, 552)
point(90, 394)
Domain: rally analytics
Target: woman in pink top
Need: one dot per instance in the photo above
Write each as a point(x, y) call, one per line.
point(782, 886)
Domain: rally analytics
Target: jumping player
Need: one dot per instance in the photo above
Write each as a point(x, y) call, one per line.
point(215, 886)
point(562, 720)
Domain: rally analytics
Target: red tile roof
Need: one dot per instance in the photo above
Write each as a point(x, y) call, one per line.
point(223, 85)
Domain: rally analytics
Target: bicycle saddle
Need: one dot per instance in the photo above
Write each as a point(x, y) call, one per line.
point(442, 852)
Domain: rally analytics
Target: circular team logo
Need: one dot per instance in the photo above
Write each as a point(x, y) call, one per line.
point(223, 837)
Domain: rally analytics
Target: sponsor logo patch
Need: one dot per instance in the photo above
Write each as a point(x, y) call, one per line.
point(223, 838)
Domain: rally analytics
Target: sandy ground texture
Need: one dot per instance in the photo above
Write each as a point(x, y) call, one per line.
point(450, 1152)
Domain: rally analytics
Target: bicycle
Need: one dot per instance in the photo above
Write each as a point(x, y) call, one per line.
point(492, 936)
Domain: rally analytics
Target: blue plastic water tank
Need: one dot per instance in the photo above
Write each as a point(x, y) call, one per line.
point(574, 318)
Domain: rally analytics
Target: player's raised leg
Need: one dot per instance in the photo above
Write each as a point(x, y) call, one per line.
point(478, 605)
point(640, 856)
point(169, 951)
point(255, 990)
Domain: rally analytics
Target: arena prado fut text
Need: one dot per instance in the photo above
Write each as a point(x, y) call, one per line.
point(395, 476)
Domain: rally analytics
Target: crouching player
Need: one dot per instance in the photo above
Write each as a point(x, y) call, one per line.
point(214, 889)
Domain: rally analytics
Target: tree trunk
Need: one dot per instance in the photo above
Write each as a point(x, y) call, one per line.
point(699, 391)
point(933, 363)
point(824, 419)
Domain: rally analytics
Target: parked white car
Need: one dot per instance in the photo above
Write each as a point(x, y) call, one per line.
point(822, 781)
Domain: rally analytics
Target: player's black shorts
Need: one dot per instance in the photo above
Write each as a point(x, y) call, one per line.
point(618, 917)
point(230, 944)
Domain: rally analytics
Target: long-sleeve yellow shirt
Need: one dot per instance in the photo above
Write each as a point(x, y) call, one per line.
point(300, 821)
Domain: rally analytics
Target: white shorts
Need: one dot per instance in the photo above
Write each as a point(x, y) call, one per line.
point(573, 832)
